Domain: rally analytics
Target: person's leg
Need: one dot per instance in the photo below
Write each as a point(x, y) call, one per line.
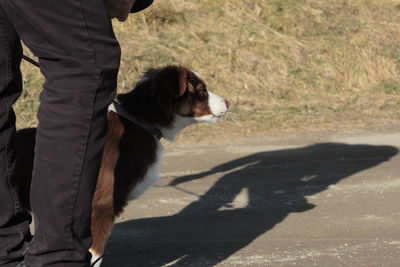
point(14, 222)
point(79, 57)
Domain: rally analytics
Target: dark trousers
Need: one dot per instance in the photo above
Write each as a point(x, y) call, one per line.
point(79, 57)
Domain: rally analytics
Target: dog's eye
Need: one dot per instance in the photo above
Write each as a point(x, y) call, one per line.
point(201, 87)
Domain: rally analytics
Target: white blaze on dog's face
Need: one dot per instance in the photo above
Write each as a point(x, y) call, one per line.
point(218, 107)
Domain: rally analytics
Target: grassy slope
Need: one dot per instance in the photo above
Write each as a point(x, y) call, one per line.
point(285, 64)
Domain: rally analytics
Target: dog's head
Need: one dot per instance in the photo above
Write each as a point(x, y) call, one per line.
point(165, 94)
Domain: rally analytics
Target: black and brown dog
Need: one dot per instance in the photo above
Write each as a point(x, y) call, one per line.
point(163, 102)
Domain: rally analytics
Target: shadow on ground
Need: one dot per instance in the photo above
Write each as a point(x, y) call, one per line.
point(211, 229)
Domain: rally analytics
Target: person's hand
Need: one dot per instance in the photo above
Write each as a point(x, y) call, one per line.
point(119, 9)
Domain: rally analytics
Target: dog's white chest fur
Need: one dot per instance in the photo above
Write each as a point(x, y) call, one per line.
point(152, 176)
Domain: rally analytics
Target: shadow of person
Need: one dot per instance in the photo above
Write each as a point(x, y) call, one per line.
point(215, 226)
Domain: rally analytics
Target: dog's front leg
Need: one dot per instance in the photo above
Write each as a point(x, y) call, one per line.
point(102, 223)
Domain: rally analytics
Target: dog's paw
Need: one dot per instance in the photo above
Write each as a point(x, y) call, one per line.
point(96, 259)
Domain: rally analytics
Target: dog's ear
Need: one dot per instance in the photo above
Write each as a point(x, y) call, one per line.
point(182, 81)
point(174, 80)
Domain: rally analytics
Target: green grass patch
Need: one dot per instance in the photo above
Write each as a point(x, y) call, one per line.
point(390, 88)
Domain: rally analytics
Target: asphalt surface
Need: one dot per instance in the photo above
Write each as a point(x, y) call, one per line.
point(325, 202)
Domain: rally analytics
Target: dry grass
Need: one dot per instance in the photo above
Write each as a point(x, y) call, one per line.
point(285, 64)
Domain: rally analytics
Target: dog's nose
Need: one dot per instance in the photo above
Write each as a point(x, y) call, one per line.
point(227, 103)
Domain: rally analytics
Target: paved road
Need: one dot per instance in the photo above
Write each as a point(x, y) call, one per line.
point(330, 202)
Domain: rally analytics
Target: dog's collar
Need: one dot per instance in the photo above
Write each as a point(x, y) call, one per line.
point(117, 108)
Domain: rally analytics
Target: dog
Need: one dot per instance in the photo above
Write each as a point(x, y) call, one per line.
point(161, 105)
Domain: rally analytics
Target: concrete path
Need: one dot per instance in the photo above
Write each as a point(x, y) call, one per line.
point(330, 202)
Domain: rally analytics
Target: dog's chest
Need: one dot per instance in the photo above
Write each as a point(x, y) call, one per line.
point(151, 177)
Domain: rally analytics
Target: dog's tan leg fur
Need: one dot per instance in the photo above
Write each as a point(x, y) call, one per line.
point(103, 221)
point(103, 213)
